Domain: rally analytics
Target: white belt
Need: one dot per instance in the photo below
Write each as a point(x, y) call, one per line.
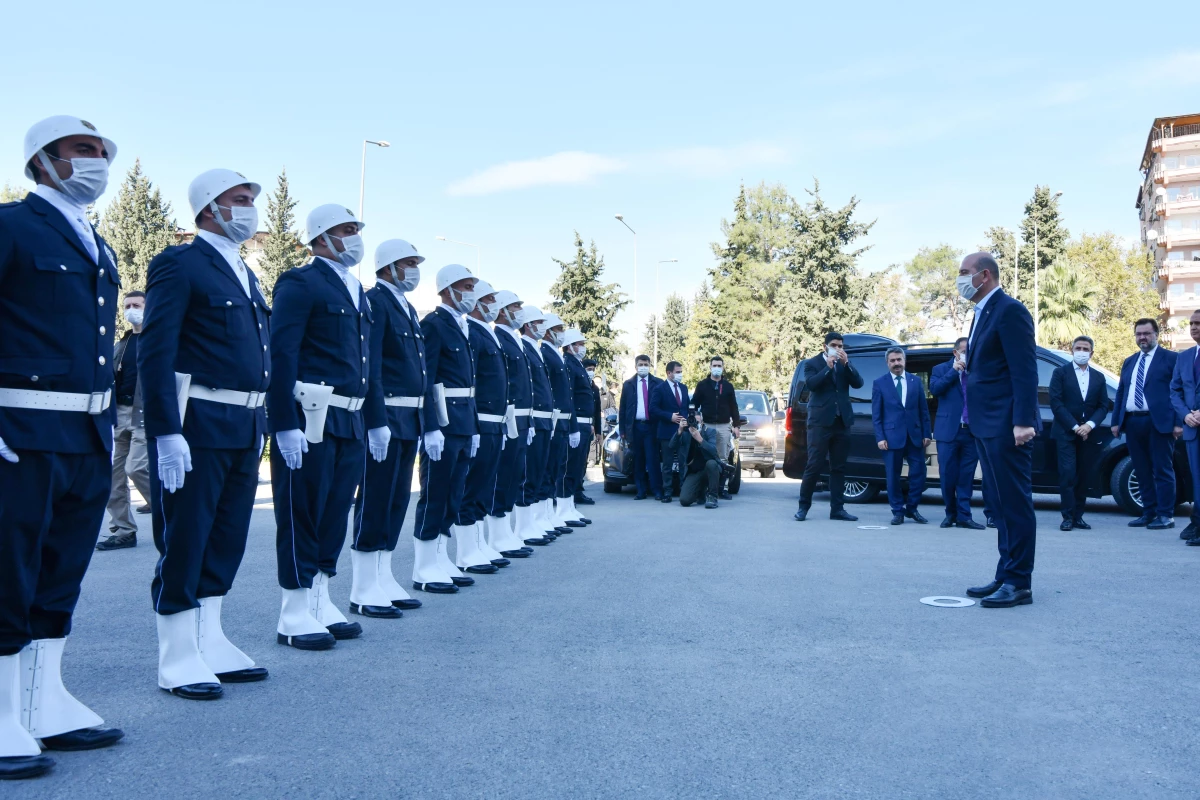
point(584, 420)
point(461, 392)
point(404, 402)
point(491, 417)
point(348, 403)
point(555, 416)
point(522, 412)
point(541, 414)
point(229, 397)
point(89, 403)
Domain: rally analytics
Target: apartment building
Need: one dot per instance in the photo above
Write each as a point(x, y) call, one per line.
point(1169, 207)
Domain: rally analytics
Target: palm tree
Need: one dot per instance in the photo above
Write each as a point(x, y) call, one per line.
point(1067, 303)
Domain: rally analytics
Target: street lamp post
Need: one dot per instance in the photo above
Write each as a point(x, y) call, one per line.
point(1037, 308)
point(621, 219)
point(362, 185)
point(478, 249)
point(657, 300)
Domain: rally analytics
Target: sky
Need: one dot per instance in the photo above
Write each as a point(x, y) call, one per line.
point(514, 125)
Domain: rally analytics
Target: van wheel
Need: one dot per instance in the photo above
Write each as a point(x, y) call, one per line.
point(612, 487)
point(1125, 489)
point(861, 491)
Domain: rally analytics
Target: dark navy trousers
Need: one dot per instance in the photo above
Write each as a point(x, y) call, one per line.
point(577, 463)
point(51, 509)
point(893, 462)
point(644, 445)
point(957, 459)
point(510, 475)
point(443, 483)
point(200, 530)
point(312, 507)
point(537, 456)
point(382, 500)
point(556, 467)
point(1152, 454)
point(1008, 488)
point(482, 479)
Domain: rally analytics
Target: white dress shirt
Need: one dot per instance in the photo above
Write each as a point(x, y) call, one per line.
point(402, 300)
point(515, 334)
point(1083, 376)
point(343, 272)
point(536, 346)
point(1130, 404)
point(643, 413)
point(76, 215)
point(486, 327)
point(460, 318)
point(230, 252)
point(978, 313)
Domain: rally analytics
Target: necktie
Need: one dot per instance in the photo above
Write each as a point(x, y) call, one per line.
point(962, 382)
point(899, 390)
point(678, 400)
point(1139, 396)
point(1196, 370)
point(645, 398)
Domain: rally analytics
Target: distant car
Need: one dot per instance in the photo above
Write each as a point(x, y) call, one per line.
point(618, 461)
point(1111, 473)
point(758, 438)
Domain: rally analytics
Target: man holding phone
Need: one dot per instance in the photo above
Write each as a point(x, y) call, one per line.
point(829, 377)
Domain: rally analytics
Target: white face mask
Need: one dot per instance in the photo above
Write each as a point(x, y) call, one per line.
point(580, 352)
point(1081, 357)
point(643, 371)
point(536, 332)
point(89, 177)
point(242, 226)
point(718, 372)
point(831, 351)
point(966, 286)
point(465, 303)
point(412, 277)
point(133, 316)
point(489, 311)
point(677, 377)
point(591, 374)
point(556, 338)
point(354, 248)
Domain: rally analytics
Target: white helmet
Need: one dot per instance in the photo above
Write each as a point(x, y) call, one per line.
point(52, 129)
point(208, 186)
point(529, 314)
point(322, 218)
point(571, 337)
point(450, 274)
point(394, 250)
point(506, 298)
point(483, 289)
point(553, 320)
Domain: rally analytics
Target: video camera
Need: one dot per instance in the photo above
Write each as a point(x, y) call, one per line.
point(691, 415)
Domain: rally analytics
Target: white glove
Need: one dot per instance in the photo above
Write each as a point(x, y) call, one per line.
point(502, 440)
point(434, 441)
point(377, 441)
point(7, 453)
point(474, 445)
point(174, 459)
point(573, 439)
point(529, 439)
point(292, 446)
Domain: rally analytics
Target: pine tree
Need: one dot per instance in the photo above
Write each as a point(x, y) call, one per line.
point(138, 226)
point(672, 329)
point(1051, 239)
point(585, 303)
point(282, 249)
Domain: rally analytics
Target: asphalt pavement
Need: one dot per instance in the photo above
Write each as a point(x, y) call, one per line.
point(671, 652)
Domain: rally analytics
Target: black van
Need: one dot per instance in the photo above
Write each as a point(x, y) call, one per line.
point(1112, 473)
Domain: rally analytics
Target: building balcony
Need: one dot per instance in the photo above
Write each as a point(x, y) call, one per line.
point(1180, 137)
point(1182, 204)
point(1179, 304)
point(1165, 177)
point(1181, 238)
point(1180, 340)
point(1174, 270)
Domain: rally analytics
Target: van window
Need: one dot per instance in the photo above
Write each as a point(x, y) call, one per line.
point(1045, 372)
point(870, 366)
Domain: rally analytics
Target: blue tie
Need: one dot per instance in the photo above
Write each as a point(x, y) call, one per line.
point(1139, 397)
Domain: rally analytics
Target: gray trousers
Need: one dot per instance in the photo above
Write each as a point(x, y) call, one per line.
point(130, 459)
point(697, 484)
point(724, 438)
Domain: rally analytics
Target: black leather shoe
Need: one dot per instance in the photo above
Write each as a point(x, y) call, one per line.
point(143, 509)
point(667, 499)
point(345, 630)
point(1194, 541)
point(843, 516)
point(1008, 596)
point(434, 588)
point(576, 523)
point(584, 500)
point(710, 501)
point(550, 536)
point(800, 515)
point(991, 522)
point(724, 495)
point(916, 517)
point(1194, 535)
point(984, 591)
point(462, 580)
point(563, 529)
point(970, 524)
point(1161, 524)
point(500, 562)
point(1188, 532)
point(639, 497)
point(93, 738)
point(309, 641)
point(407, 604)
point(251, 675)
point(658, 497)
point(897, 519)
point(524, 552)
point(17, 768)
point(948, 522)
point(198, 691)
point(376, 612)
point(1081, 525)
point(1142, 521)
point(585, 520)
point(1067, 525)
point(482, 569)
point(118, 542)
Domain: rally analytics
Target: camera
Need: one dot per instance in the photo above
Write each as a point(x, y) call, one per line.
point(691, 415)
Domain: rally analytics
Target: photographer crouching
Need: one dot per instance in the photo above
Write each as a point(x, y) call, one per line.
point(700, 466)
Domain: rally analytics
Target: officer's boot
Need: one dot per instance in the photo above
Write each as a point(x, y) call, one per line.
point(366, 595)
point(485, 548)
point(566, 507)
point(297, 627)
point(428, 574)
point(229, 663)
point(526, 526)
point(321, 606)
point(551, 525)
point(443, 558)
point(391, 587)
point(20, 756)
point(500, 537)
point(181, 668)
point(54, 715)
point(466, 553)
point(575, 512)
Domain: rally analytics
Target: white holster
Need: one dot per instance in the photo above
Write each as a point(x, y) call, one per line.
point(314, 402)
point(510, 421)
point(183, 383)
point(439, 397)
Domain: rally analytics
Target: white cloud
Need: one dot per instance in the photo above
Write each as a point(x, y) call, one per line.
point(571, 167)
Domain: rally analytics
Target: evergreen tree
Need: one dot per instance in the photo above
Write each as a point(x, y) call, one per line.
point(1002, 244)
point(1125, 280)
point(931, 274)
point(585, 303)
point(672, 331)
point(282, 248)
point(1052, 238)
point(10, 194)
point(1068, 302)
point(703, 331)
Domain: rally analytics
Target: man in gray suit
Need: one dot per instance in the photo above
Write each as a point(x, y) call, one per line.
point(1185, 398)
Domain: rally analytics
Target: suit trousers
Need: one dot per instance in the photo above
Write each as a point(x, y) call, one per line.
point(1008, 488)
point(957, 459)
point(1193, 454)
point(577, 458)
point(312, 507)
point(556, 467)
point(893, 462)
point(536, 456)
point(644, 445)
point(443, 483)
point(1076, 458)
point(1152, 454)
point(826, 444)
point(51, 507)
point(510, 475)
point(200, 529)
point(697, 484)
point(130, 459)
point(382, 501)
point(482, 480)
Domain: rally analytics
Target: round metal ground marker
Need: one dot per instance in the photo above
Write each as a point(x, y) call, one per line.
point(872, 527)
point(947, 602)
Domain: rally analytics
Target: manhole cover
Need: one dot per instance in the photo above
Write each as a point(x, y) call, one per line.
point(872, 527)
point(948, 602)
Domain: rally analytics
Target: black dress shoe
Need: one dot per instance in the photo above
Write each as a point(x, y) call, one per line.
point(376, 612)
point(584, 500)
point(434, 588)
point(1008, 596)
point(1161, 524)
point(92, 738)
point(1189, 531)
point(842, 516)
point(308, 641)
point(1194, 535)
point(639, 497)
point(984, 591)
point(666, 498)
point(539, 542)
point(500, 562)
point(524, 552)
point(407, 604)
point(585, 520)
point(16, 768)
point(563, 529)
point(462, 580)
point(118, 542)
point(800, 515)
point(1081, 525)
point(658, 497)
point(143, 509)
point(897, 519)
point(970, 524)
point(251, 675)
point(576, 523)
point(724, 495)
point(916, 517)
point(198, 691)
point(345, 630)
point(991, 522)
point(1193, 542)
point(482, 569)
point(1142, 521)
point(1067, 525)
point(948, 522)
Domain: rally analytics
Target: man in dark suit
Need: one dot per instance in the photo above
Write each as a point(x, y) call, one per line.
point(1079, 401)
point(668, 408)
point(829, 377)
point(957, 456)
point(638, 430)
point(900, 415)
point(1002, 402)
point(1185, 397)
point(1144, 411)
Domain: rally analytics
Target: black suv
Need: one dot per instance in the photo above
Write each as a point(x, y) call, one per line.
point(1111, 473)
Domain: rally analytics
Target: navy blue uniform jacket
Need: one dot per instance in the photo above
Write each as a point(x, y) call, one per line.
point(543, 398)
point(1156, 385)
point(560, 387)
point(520, 380)
point(491, 376)
point(397, 360)
point(627, 411)
point(318, 337)
point(581, 389)
point(945, 383)
point(663, 405)
point(448, 361)
point(1185, 395)
point(1002, 380)
point(57, 309)
point(893, 423)
point(199, 321)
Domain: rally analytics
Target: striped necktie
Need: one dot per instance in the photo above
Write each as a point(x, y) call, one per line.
point(1139, 395)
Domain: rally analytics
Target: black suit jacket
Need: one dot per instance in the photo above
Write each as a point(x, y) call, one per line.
point(627, 412)
point(829, 391)
point(1070, 408)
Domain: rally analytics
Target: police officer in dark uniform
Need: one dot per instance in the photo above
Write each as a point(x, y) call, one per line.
point(320, 348)
point(58, 297)
point(451, 431)
point(398, 372)
point(205, 365)
point(528, 522)
point(581, 425)
point(564, 423)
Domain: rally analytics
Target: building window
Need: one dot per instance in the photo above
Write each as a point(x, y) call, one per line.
point(1175, 256)
point(1171, 162)
point(1191, 161)
point(1176, 290)
point(1174, 224)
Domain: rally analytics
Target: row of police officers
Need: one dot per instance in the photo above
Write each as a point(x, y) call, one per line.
point(348, 384)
